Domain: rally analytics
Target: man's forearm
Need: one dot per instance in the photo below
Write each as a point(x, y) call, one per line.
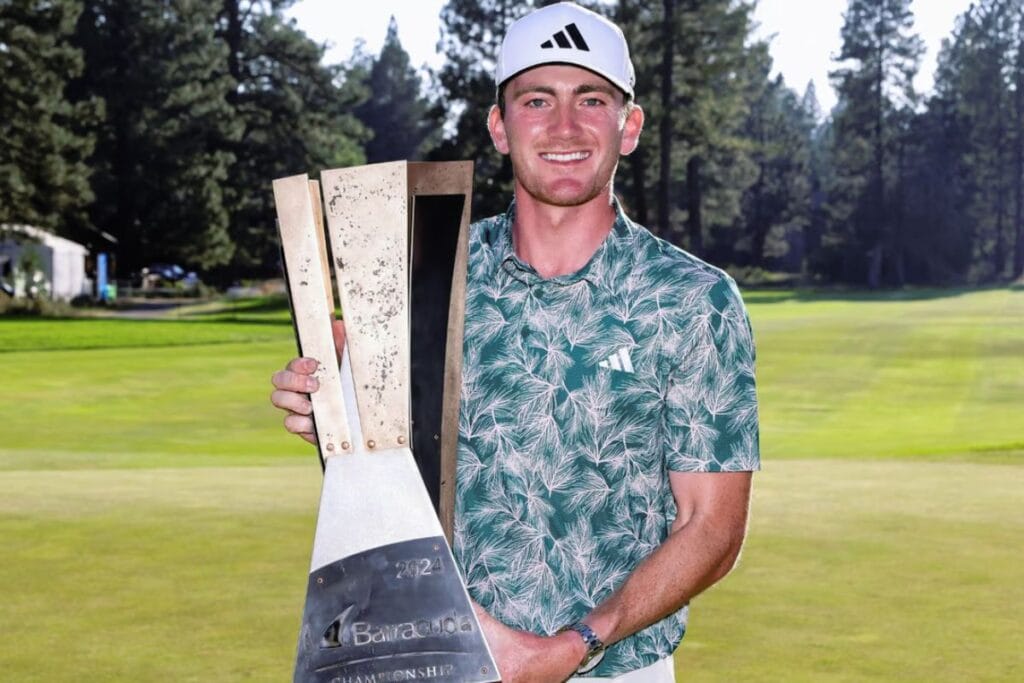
point(700, 551)
point(702, 547)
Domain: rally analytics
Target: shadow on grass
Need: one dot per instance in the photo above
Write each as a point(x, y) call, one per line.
point(775, 296)
point(267, 304)
point(221, 317)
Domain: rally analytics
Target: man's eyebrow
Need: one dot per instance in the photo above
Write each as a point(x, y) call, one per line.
point(594, 87)
point(544, 89)
point(581, 89)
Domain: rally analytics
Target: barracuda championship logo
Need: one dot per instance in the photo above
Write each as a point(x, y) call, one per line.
point(361, 633)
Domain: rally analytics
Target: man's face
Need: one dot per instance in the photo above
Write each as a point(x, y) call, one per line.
point(564, 128)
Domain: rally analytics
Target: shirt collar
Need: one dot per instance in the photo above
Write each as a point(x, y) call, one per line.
point(615, 248)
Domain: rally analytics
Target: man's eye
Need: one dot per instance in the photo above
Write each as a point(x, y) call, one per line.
point(593, 102)
point(535, 103)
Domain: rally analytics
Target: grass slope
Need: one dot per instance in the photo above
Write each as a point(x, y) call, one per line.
point(157, 521)
point(938, 375)
point(869, 571)
point(854, 571)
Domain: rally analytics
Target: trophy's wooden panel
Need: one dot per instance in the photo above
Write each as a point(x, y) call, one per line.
point(442, 195)
point(441, 177)
point(311, 310)
point(367, 219)
point(318, 216)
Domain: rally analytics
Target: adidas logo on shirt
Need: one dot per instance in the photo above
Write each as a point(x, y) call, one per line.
point(619, 360)
point(562, 39)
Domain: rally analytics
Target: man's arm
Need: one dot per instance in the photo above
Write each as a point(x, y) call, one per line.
point(702, 547)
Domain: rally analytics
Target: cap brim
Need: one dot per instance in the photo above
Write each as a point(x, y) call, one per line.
point(562, 62)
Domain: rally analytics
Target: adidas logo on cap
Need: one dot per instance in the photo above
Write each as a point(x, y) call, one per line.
point(555, 35)
point(563, 41)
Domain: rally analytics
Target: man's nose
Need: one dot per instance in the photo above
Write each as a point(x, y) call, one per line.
point(565, 121)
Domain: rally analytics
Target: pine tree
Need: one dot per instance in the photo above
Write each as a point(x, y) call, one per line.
point(977, 111)
point(718, 79)
point(1017, 268)
point(471, 35)
point(161, 156)
point(44, 179)
point(296, 116)
point(878, 61)
point(402, 121)
point(637, 172)
point(779, 201)
point(695, 80)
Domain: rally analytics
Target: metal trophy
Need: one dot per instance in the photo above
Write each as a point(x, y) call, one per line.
point(385, 601)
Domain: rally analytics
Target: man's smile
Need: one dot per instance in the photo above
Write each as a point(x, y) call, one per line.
point(564, 156)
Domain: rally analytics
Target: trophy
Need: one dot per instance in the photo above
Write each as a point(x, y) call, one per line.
point(384, 601)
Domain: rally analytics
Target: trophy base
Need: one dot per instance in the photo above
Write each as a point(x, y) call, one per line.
point(394, 613)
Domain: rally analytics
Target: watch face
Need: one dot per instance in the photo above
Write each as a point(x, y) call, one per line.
point(591, 662)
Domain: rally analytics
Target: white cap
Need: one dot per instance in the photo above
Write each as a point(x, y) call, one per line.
point(565, 33)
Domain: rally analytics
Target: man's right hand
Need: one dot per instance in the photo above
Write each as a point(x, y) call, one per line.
point(294, 384)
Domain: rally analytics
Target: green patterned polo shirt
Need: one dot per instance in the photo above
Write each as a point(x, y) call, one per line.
point(579, 394)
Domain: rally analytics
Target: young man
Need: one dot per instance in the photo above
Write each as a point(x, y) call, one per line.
point(608, 425)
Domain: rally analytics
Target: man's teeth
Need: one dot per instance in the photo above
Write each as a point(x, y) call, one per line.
point(571, 156)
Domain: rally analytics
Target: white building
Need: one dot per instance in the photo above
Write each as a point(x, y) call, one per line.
point(36, 262)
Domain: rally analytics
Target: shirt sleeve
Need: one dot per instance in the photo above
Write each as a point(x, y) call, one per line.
point(711, 418)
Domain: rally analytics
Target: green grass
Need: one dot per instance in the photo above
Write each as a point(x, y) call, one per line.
point(165, 574)
point(935, 375)
point(142, 393)
point(157, 521)
point(870, 571)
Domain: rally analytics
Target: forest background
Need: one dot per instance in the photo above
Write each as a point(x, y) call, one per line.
point(158, 123)
point(157, 519)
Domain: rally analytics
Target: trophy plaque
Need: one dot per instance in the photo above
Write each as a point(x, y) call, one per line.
point(385, 600)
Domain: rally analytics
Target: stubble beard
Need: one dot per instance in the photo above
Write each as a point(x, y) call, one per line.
point(537, 190)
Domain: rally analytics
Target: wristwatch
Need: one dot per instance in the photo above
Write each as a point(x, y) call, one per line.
point(595, 648)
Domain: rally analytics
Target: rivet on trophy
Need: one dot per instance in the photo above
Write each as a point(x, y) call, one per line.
point(371, 444)
point(345, 445)
point(401, 439)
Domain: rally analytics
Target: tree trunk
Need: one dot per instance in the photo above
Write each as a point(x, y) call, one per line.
point(694, 223)
point(999, 255)
point(638, 209)
point(628, 16)
point(875, 267)
point(1018, 161)
point(898, 248)
point(233, 38)
point(759, 232)
point(667, 118)
point(881, 243)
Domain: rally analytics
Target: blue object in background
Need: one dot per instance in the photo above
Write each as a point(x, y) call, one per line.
point(101, 277)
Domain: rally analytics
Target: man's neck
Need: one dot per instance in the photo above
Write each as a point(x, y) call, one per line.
point(560, 240)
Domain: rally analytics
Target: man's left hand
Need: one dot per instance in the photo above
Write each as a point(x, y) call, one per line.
point(524, 657)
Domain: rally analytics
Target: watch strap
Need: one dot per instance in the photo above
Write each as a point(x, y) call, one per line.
point(595, 647)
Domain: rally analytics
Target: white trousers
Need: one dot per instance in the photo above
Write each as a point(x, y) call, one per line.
point(662, 671)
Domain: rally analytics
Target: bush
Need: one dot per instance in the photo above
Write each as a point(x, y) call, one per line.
point(41, 307)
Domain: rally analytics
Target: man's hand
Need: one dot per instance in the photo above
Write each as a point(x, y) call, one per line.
point(294, 384)
point(524, 657)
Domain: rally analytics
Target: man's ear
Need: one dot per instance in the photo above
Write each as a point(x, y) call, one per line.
point(496, 126)
point(631, 131)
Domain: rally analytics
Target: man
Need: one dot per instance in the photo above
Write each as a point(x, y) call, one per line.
point(608, 426)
